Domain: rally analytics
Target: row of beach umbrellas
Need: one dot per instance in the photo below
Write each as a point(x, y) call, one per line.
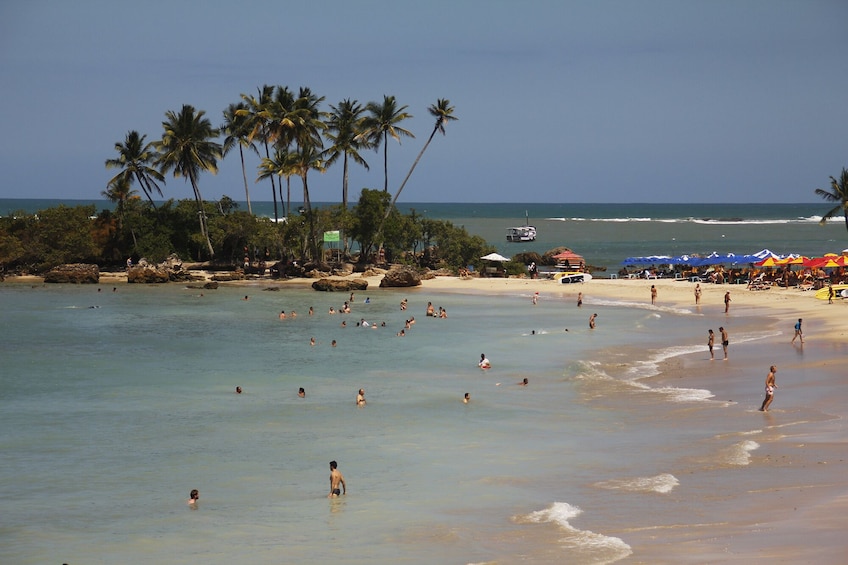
point(764, 258)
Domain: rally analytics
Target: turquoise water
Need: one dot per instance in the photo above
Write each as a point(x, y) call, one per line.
point(117, 404)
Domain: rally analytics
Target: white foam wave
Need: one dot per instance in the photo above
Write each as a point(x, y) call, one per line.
point(663, 483)
point(704, 221)
point(740, 453)
point(642, 305)
point(601, 548)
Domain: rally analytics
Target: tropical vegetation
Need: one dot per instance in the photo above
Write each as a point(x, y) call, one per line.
point(292, 136)
point(838, 193)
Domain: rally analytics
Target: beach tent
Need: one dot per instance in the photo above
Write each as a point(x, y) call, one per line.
point(648, 260)
point(494, 257)
point(569, 256)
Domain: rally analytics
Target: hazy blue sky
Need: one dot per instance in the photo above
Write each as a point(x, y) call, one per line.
point(595, 101)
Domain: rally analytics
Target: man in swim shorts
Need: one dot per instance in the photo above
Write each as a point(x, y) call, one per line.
point(770, 386)
point(336, 478)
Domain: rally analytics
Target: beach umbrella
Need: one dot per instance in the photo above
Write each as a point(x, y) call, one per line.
point(494, 257)
point(767, 262)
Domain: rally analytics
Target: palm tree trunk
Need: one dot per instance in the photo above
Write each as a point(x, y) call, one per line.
point(244, 174)
point(344, 204)
point(273, 186)
point(145, 187)
point(403, 184)
point(385, 162)
point(201, 213)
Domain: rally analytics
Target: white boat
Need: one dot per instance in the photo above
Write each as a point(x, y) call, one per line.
point(522, 233)
point(570, 277)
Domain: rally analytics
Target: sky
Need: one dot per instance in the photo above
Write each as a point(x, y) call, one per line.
point(564, 101)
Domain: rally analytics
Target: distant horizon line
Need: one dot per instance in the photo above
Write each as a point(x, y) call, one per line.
point(446, 202)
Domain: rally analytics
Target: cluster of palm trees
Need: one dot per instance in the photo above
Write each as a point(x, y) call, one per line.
point(289, 132)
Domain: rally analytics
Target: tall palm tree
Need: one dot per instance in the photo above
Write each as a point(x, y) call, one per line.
point(838, 193)
point(443, 112)
point(187, 148)
point(134, 160)
point(119, 191)
point(343, 130)
point(237, 129)
point(282, 165)
point(380, 124)
point(309, 157)
point(258, 126)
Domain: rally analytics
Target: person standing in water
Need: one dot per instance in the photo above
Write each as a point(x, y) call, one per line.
point(697, 293)
point(724, 341)
point(711, 343)
point(484, 362)
point(770, 386)
point(726, 301)
point(592, 321)
point(798, 332)
point(336, 479)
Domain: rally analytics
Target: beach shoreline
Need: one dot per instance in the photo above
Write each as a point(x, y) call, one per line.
point(795, 510)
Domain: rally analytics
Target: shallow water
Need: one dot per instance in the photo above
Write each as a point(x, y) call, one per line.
point(117, 404)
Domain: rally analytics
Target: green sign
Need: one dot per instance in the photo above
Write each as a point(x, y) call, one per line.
point(330, 236)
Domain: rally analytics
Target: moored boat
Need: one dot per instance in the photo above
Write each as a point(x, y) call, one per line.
point(522, 233)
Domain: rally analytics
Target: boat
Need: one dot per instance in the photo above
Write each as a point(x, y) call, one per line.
point(570, 277)
point(522, 233)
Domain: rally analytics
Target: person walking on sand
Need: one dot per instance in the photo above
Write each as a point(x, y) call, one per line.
point(711, 343)
point(336, 479)
point(798, 332)
point(830, 294)
point(724, 341)
point(697, 293)
point(653, 294)
point(726, 301)
point(592, 321)
point(770, 386)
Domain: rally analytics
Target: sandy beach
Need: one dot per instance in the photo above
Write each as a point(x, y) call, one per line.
point(788, 503)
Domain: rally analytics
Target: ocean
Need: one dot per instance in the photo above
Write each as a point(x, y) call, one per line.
point(117, 402)
point(606, 234)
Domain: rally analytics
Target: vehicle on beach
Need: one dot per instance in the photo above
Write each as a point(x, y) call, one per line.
point(522, 233)
point(570, 277)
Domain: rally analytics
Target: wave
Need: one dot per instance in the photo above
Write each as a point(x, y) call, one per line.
point(598, 547)
point(663, 483)
point(705, 221)
point(739, 453)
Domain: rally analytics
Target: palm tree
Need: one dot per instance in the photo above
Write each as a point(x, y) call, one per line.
point(237, 130)
point(307, 158)
point(344, 129)
point(258, 126)
point(134, 159)
point(838, 193)
point(187, 148)
point(443, 112)
point(280, 165)
point(382, 123)
point(119, 192)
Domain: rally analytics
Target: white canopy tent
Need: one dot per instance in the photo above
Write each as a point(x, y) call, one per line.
point(495, 257)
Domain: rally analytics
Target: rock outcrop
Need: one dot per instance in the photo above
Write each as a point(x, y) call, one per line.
point(340, 285)
point(76, 273)
point(400, 277)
